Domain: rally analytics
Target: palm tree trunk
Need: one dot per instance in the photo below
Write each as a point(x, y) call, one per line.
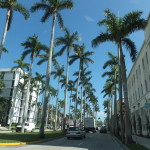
point(57, 104)
point(120, 92)
point(81, 108)
point(115, 108)
point(5, 31)
point(76, 103)
point(128, 136)
point(27, 98)
point(70, 104)
point(48, 73)
point(66, 90)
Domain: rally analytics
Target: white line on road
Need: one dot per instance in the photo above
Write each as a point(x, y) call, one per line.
point(80, 143)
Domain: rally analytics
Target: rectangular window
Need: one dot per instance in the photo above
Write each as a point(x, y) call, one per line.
point(137, 74)
point(143, 63)
point(146, 86)
point(146, 57)
point(139, 70)
point(135, 96)
point(141, 90)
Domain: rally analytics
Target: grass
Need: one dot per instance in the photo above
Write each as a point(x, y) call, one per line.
point(26, 137)
point(136, 147)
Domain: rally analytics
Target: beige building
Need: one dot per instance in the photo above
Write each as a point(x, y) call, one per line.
point(139, 88)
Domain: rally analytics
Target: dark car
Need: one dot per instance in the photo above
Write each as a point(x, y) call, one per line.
point(103, 129)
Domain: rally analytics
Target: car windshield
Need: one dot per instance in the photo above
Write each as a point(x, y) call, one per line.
point(74, 128)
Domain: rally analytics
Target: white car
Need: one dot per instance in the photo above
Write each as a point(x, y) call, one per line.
point(74, 132)
point(29, 127)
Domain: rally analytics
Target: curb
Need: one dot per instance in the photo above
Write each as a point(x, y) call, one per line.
point(122, 145)
point(34, 142)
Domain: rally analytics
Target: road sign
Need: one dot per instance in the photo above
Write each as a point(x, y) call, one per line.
point(147, 105)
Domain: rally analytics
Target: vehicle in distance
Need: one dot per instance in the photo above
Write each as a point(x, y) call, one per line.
point(74, 132)
point(89, 125)
point(103, 129)
point(29, 127)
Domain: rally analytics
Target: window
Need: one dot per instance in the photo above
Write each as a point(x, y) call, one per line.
point(142, 89)
point(135, 96)
point(146, 86)
point(137, 74)
point(139, 70)
point(139, 92)
point(143, 63)
point(146, 57)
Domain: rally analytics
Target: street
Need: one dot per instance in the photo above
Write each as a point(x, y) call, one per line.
point(93, 141)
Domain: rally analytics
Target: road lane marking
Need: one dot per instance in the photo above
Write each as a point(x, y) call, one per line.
point(80, 143)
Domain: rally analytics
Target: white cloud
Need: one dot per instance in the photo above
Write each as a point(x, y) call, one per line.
point(88, 18)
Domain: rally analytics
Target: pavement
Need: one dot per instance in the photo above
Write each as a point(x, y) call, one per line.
point(142, 141)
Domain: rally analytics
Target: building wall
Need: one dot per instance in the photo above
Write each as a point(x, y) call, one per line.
point(139, 88)
point(12, 92)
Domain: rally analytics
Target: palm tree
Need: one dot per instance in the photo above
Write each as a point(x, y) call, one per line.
point(83, 59)
point(58, 73)
point(71, 88)
point(68, 42)
point(11, 6)
point(51, 8)
point(106, 105)
point(112, 63)
point(38, 84)
point(33, 47)
point(117, 31)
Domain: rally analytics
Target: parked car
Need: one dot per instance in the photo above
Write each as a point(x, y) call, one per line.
point(29, 127)
point(103, 129)
point(74, 132)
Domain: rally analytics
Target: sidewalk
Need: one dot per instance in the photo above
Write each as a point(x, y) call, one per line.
point(142, 141)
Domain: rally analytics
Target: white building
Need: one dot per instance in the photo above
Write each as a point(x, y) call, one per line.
point(139, 88)
point(16, 93)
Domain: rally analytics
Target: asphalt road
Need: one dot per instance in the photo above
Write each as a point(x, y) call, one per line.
point(93, 141)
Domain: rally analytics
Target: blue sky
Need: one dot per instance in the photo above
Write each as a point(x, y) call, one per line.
point(82, 18)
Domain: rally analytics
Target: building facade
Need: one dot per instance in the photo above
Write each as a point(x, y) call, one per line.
point(15, 92)
point(139, 88)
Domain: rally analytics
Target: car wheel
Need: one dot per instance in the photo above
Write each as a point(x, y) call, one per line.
point(32, 130)
point(25, 130)
point(68, 138)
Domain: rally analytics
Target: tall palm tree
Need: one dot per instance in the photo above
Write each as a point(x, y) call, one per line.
point(71, 88)
point(83, 60)
point(117, 30)
point(57, 74)
point(51, 8)
point(68, 42)
point(106, 104)
point(38, 84)
point(112, 63)
point(32, 47)
point(11, 6)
